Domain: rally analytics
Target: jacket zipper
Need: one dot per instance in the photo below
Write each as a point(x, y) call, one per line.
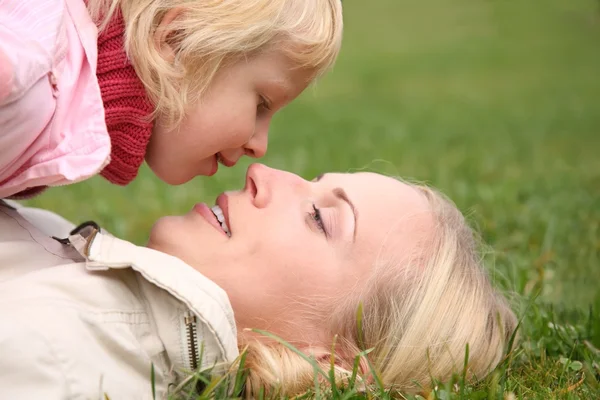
point(192, 340)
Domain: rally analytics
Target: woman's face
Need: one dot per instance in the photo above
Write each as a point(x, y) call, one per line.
point(286, 264)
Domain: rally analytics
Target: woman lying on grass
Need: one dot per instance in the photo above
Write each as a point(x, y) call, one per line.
point(90, 315)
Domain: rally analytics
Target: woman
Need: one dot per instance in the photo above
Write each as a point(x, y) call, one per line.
point(90, 315)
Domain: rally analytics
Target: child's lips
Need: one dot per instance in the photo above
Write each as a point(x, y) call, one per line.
point(214, 167)
point(226, 162)
point(219, 159)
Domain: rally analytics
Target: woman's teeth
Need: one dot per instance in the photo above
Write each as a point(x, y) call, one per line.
point(221, 218)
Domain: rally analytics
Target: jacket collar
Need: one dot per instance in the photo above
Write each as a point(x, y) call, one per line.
point(185, 292)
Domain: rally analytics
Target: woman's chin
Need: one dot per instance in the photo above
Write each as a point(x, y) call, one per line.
point(162, 236)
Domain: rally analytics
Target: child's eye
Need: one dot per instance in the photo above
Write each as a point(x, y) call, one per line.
point(318, 220)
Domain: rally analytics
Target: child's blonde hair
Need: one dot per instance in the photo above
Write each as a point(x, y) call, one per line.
point(210, 34)
point(417, 318)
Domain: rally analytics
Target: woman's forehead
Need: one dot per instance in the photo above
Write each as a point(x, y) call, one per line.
point(381, 201)
point(375, 190)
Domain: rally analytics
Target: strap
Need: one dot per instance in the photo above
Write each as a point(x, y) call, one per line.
point(81, 237)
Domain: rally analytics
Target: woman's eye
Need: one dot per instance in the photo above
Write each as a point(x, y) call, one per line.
point(318, 220)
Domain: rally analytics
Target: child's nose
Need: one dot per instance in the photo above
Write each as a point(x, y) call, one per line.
point(258, 143)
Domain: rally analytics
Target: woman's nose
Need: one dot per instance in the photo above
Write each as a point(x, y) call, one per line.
point(256, 184)
point(263, 182)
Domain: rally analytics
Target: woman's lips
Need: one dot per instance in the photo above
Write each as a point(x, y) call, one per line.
point(207, 214)
point(223, 203)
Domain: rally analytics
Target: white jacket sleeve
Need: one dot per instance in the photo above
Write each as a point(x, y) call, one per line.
point(29, 368)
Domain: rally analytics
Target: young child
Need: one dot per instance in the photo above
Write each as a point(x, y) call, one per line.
point(99, 86)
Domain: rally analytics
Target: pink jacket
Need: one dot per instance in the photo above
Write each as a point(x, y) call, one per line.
point(52, 126)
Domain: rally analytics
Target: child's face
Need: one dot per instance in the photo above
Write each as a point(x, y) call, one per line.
point(232, 119)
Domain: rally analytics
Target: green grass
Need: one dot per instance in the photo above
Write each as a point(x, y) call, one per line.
point(495, 102)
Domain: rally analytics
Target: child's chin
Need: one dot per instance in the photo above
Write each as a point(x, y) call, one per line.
point(176, 177)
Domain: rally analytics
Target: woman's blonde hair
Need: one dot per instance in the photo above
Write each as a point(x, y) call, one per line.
point(209, 34)
point(417, 318)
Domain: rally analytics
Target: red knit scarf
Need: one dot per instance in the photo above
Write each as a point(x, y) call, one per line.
point(126, 105)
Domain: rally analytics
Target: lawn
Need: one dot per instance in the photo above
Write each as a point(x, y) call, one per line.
point(495, 102)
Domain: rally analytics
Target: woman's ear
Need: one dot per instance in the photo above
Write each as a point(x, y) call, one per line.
point(164, 32)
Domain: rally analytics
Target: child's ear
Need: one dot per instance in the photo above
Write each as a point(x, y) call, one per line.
point(164, 32)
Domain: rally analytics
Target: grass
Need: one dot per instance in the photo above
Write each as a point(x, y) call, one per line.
point(495, 102)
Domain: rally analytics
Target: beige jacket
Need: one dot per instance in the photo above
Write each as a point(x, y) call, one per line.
point(88, 319)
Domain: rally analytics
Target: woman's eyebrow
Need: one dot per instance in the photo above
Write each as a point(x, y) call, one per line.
point(342, 195)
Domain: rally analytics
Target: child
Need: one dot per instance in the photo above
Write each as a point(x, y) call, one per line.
point(100, 86)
